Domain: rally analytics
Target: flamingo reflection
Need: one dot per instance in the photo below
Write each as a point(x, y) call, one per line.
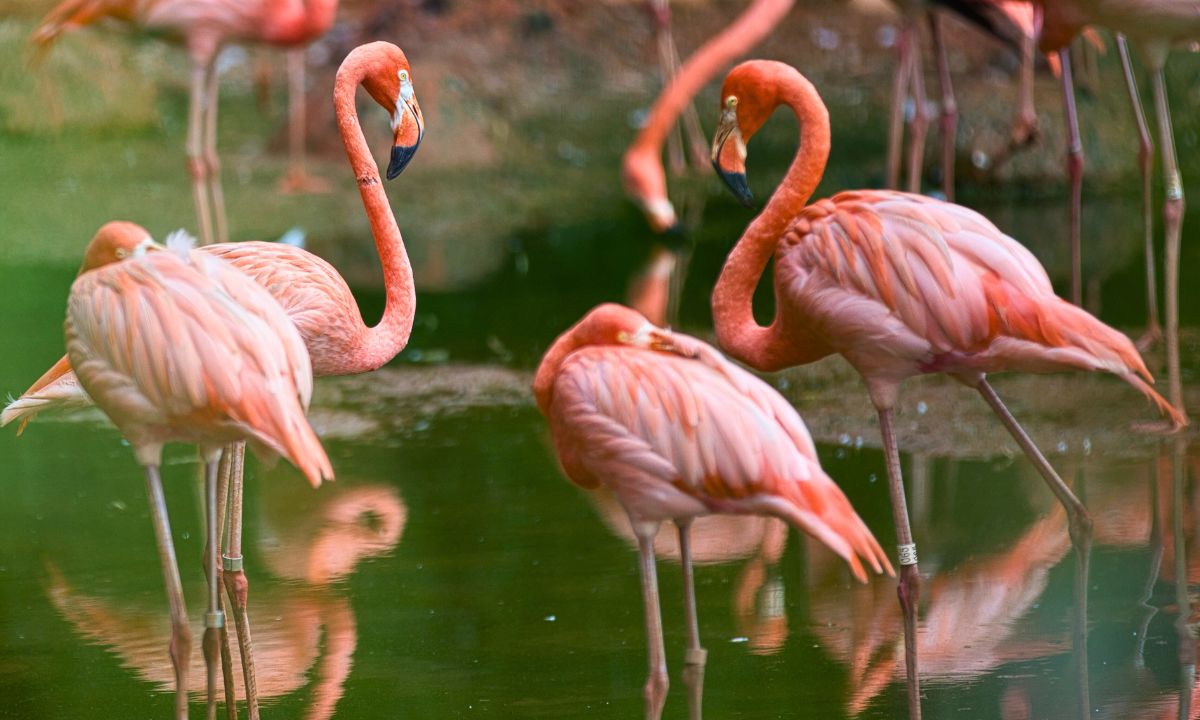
point(307, 625)
point(757, 601)
point(969, 624)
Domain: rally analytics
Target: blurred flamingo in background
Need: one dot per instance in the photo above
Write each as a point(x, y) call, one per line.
point(202, 27)
point(311, 291)
point(180, 346)
point(675, 431)
point(899, 285)
point(654, 292)
point(297, 180)
point(1005, 20)
point(1154, 26)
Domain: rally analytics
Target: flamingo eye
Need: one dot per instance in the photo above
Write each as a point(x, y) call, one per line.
point(403, 75)
point(731, 102)
point(122, 253)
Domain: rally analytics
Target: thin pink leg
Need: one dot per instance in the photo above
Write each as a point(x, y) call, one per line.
point(212, 96)
point(909, 590)
point(918, 129)
point(1146, 162)
point(214, 619)
point(656, 682)
point(1074, 174)
point(297, 179)
point(1079, 527)
point(181, 634)
point(896, 117)
point(696, 656)
point(660, 12)
point(949, 115)
point(197, 166)
point(223, 472)
point(236, 586)
point(1172, 227)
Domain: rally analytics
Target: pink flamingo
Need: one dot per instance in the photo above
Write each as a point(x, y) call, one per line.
point(642, 172)
point(677, 432)
point(203, 27)
point(899, 285)
point(1154, 25)
point(311, 291)
point(179, 346)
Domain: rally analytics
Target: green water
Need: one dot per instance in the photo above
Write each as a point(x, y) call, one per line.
point(452, 572)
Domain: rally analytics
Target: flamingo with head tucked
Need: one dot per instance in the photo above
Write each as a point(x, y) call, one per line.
point(178, 346)
point(202, 27)
point(900, 285)
point(676, 431)
point(311, 291)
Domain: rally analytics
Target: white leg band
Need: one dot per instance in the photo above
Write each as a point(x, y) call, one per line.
point(907, 553)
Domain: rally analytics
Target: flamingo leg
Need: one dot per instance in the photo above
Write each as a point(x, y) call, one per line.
point(896, 116)
point(181, 634)
point(1172, 226)
point(1079, 526)
point(236, 586)
point(656, 682)
point(1074, 174)
point(212, 96)
point(660, 11)
point(214, 619)
point(297, 179)
point(226, 657)
point(909, 590)
point(696, 656)
point(1183, 600)
point(949, 114)
point(197, 166)
point(919, 125)
point(1146, 163)
point(1156, 556)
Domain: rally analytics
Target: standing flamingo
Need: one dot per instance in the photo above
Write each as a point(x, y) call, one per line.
point(899, 285)
point(642, 171)
point(203, 27)
point(310, 290)
point(1154, 25)
point(180, 347)
point(676, 432)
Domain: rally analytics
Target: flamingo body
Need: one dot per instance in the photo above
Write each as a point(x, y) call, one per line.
point(188, 349)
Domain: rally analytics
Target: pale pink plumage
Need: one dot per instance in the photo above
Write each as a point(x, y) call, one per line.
point(682, 433)
point(189, 349)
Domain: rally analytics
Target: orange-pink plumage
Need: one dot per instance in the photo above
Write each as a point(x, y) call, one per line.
point(676, 431)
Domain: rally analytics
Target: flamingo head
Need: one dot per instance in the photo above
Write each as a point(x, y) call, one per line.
point(116, 241)
point(613, 324)
point(748, 97)
point(389, 82)
point(645, 184)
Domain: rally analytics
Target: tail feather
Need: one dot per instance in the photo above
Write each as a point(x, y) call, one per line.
point(820, 508)
point(1178, 420)
point(285, 431)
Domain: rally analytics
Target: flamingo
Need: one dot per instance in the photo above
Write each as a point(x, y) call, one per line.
point(203, 27)
point(899, 285)
point(311, 291)
point(178, 346)
point(1155, 26)
point(1004, 20)
point(642, 172)
point(675, 431)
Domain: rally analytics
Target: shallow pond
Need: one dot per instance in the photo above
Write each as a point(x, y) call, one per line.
point(451, 571)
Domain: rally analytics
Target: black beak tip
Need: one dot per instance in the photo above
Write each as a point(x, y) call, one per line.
point(736, 182)
point(401, 156)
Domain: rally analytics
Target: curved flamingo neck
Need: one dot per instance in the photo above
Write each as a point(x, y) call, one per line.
point(739, 36)
point(766, 348)
point(384, 341)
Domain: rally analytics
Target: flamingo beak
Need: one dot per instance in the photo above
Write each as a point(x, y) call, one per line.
point(729, 156)
point(408, 126)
